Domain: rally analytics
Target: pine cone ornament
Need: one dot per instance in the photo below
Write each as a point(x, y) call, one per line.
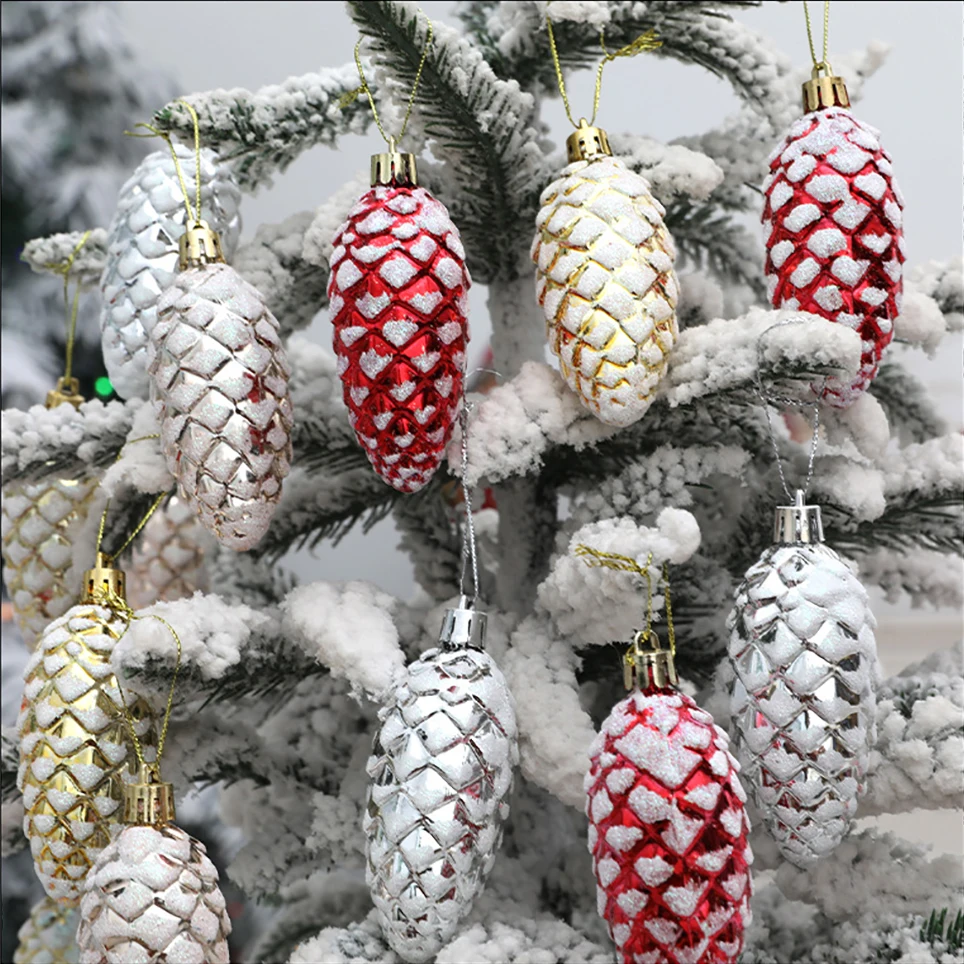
point(441, 771)
point(38, 526)
point(142, 252)
point(74, 741)
point(833, 225)
point(153, 895)
point(398, 295)
point(168, 559)
point(49, 935)
point(668, 831)
point(605, 280)
point(803, 698)
point(220, 389)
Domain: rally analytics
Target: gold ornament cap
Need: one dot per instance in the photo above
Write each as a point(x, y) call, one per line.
point(822, 91)
point(148, 801)
point(103, 580)
point(394, 167)
point(67, 392)
point(587, 142)
point(655, 666)
point(199, 245)
point(797, 523)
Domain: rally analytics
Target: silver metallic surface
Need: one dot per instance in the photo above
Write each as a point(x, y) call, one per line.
point(220, 390)
point(142, 253)
point(440, 775)
point(804, 694)
point(798, 522)
point(464, 626)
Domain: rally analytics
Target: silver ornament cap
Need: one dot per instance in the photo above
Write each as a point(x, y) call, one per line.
point(463, 627)
point(798, 523)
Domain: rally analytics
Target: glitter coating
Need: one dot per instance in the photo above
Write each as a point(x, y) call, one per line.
point(398, 295)
point(74, 748)
point(668, 833)
point(804, 694)
point(49, 935)
point(220, 389)
point(605, 281)
point(142, 253)
point(440, 775)
point(153, 895)
point(38, 525)
point(835, 240)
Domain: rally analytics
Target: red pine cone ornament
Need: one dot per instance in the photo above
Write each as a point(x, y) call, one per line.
point(668, 831)
point(833, 221)
point(398, 297)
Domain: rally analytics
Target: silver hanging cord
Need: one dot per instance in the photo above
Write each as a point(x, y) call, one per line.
point(468, 538)
point(767, 400)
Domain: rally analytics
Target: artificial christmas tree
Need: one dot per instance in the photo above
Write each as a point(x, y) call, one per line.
point(283, 681)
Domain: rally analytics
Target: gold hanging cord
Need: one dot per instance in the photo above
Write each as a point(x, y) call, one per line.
point(351, 95)
point(822, 62)
point(656, 664)
point(645, 41)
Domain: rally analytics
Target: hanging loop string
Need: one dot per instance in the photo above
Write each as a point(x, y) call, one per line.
point(70, 311)
point(767, 400)
point(103, 518)
point(645, 41)
point(351, 95)
point(195, 215)
point(468, 539)
point(822, 63)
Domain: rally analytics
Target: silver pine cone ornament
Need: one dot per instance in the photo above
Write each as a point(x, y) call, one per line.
point(440, 775)
point(49, 935)
point(153, 894)
point(803, 693)
point(74, 751)
point(605, 280)
point(168, 559)
point(38, 525)
point(142, 253)
point(220, 390)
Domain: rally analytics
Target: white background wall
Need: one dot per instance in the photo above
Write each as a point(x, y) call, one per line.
point(915, 99)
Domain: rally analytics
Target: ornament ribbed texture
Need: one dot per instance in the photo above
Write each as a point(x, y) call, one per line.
point(398, 298)
point(804, 695)
point(605, 281)
point(220, 389)
point(168, 558)
point(668, 833)
point(142, 252)
point(153, 895)
point(440, 775)
point(833, 226)
point(74, 749)
point(39, 524)
point(49, 935)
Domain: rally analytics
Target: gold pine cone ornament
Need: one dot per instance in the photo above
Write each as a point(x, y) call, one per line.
point(605, 280)
point(74, 750)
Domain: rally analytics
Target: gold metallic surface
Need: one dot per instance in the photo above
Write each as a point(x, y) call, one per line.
point(824, 91)
point(586, 142)
point(149, 800)
point(200, 244)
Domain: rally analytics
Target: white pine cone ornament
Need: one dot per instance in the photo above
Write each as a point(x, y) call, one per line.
point(220, 389)
point(153, 895)
point(74, 750)
point(398, 297)
point(803, 696)
point(38, 525)
point(605, 280)
point(667, 827)
point(440, 775)
point(168, 558)
point(833, 226)
point(49, 935)
point(142, 253)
